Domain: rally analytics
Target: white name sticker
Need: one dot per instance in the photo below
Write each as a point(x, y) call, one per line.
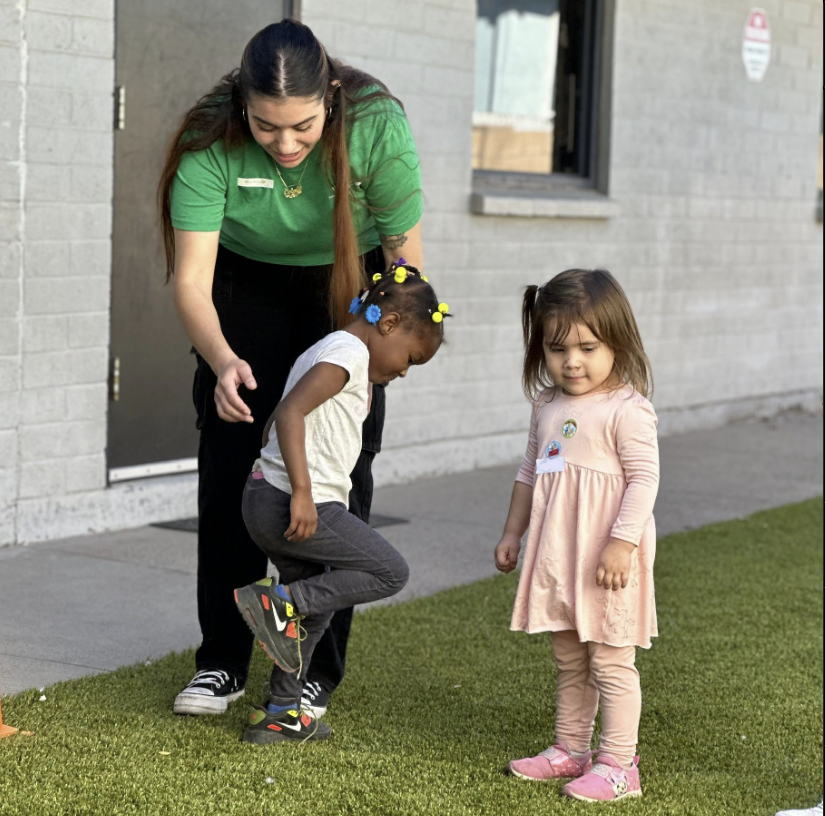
point(261, 182)
point(555, 464)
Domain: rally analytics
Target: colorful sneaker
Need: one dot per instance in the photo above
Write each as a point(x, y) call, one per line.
point(554, 763)
point(274, 622)
point(316, 699)
point(208, 692)
point(814, 811)
point(287, 726)
point(606, 781)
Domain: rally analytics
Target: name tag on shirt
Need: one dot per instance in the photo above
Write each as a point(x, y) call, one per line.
point(256, 182)
point(554, 464)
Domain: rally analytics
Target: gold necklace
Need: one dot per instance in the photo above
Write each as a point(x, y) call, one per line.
point(292, 190)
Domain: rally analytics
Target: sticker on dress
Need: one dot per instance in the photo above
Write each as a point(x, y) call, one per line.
point(569, 429)
point(553, 450)
point(551, 465)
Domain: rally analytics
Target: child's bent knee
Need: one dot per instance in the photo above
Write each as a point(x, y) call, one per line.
point(398, 574)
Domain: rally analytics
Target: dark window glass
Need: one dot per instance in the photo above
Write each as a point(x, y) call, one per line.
point(534, 86)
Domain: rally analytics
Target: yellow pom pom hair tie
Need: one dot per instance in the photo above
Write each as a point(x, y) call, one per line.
point(443, 311)
point(400, 274)
point(377, 277)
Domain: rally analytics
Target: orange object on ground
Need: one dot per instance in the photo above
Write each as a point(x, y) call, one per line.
point(5, 730)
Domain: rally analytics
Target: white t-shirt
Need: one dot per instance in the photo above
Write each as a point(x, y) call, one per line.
point(333, 429)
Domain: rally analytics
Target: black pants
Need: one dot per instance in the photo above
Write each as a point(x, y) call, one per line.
point(270, 315)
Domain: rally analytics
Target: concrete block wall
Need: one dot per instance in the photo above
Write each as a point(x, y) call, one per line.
point(56, 84)
point(712, 232)
point(715, 242)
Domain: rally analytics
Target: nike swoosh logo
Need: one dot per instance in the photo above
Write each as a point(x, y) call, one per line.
point(296, 727)
point(281, 625)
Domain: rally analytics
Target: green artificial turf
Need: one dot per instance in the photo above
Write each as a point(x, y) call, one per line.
point(440, 695)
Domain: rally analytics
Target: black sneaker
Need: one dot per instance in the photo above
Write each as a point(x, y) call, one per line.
point(208, 692)
point(288, 726)
point(273, 621)
point(315, 699)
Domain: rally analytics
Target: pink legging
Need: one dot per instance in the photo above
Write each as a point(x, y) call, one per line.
point(590, 673)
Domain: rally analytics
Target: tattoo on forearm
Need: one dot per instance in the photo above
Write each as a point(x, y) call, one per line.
point(393, 242)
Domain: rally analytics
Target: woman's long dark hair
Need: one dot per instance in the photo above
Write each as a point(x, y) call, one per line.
point(281, 61)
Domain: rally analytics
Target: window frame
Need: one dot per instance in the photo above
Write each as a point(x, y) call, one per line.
point(500, 183)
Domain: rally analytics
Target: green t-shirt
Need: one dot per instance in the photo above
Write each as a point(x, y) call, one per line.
point(239, 193)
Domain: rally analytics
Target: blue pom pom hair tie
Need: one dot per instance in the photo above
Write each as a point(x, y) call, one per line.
point(373, 314)
point(358, 302)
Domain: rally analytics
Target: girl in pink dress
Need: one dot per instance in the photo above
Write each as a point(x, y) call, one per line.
point(586, 490)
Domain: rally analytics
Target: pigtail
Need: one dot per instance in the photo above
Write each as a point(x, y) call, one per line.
point(527, 309)
point(534, 377)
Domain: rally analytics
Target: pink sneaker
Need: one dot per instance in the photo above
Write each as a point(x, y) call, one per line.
point(606, 781)
point(554, 763)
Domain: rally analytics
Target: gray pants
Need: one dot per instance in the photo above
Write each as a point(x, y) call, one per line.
point(345, 563)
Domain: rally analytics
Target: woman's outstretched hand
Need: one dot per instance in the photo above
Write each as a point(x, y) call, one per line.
point(507, 552)
point(614, 564)
point(231, 407)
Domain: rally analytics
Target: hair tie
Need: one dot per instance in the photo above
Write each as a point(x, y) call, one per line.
point(443, 310)
point(377, 277)
point(373, 314)
point(400, 274)
point(358, 302)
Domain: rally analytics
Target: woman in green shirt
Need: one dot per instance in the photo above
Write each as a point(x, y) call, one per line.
point(288, 184)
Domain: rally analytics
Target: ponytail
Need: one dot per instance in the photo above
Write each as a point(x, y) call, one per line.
point(348, 274)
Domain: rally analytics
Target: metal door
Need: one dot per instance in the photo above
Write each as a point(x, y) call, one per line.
point(168, 54)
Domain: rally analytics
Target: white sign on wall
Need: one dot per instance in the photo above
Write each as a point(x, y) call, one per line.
point(756, 44)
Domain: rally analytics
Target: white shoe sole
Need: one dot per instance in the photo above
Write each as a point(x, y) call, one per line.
point(204, 703)
point(317, 711)
point(631, 795)
point(519, 775)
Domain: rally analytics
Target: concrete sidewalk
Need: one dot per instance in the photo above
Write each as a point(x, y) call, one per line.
point(88, 605)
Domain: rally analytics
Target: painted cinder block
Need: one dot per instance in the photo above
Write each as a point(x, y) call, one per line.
point(66, 295)
point(101, 9)
point(70, 71)
point(47, 31)
point(86, 473)
point(65, 439)
point(54, 368)
point(91, 36)
point(86, 402)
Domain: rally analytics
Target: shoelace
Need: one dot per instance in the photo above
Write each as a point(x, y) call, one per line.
point(214, 678)
point(311, 734)
point(311, 691)
point(301, 631)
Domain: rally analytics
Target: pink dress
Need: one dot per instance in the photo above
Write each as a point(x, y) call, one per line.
point(593, 462)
